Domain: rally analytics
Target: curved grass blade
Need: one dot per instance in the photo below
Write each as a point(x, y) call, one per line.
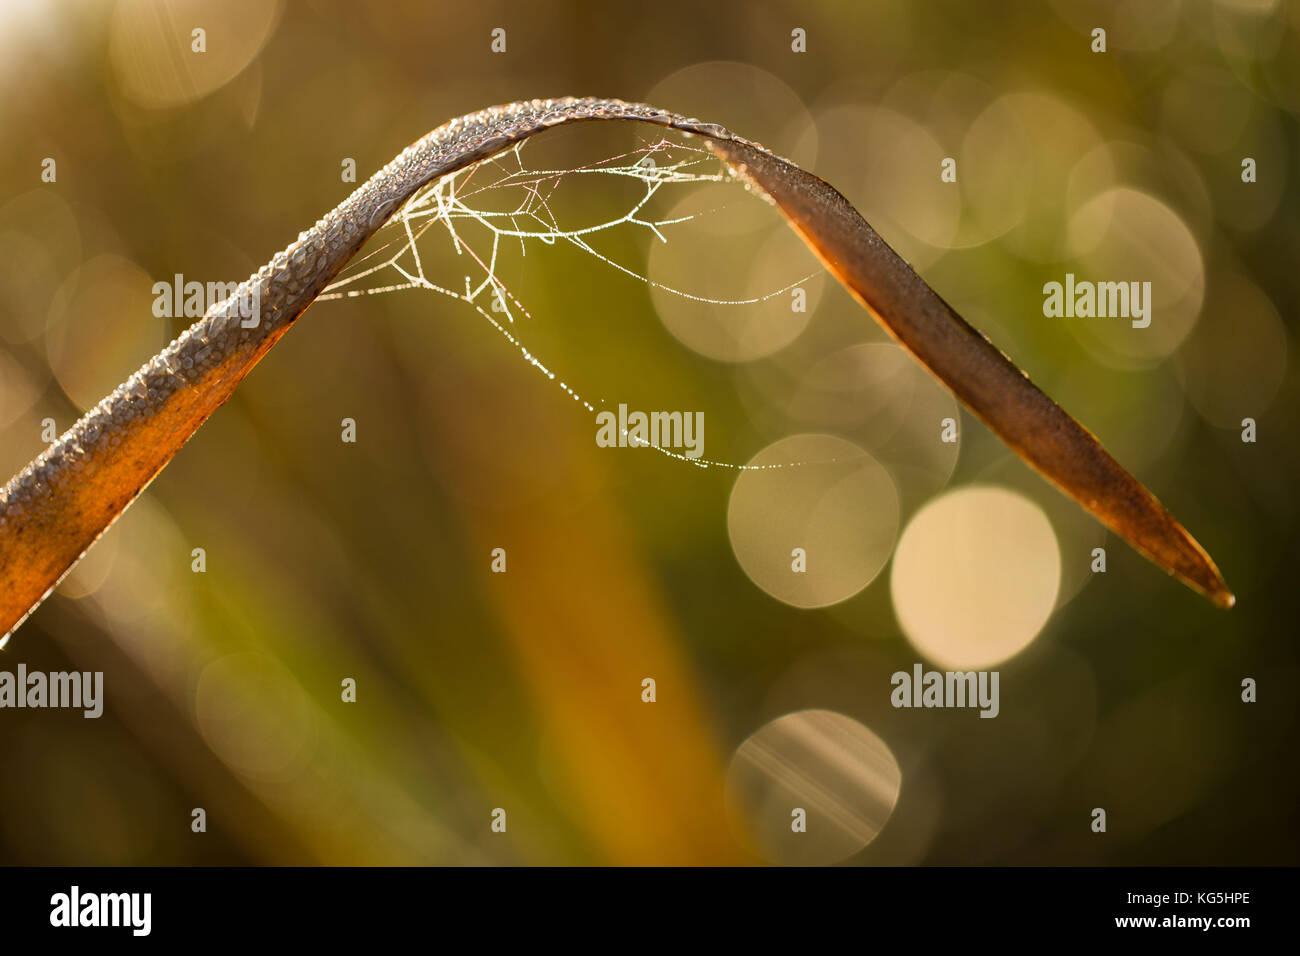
point(57, 506)
point(981, 376)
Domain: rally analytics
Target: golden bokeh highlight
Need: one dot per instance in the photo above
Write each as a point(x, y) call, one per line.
point(102, 322)
point(944, 101)
point(1016, 161)
point(877, 395)
point(867, 386)
point(150, 46)
point(253, 714)
point(1131, 236)
point(975, 577)
point(842, 776)
point(830, 499)
point(744, 97)
point(748, 261)
point(1149, 164)
point(90, 573)
point(887, 164)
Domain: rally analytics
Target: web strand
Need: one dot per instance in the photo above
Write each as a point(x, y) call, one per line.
point(449, 207)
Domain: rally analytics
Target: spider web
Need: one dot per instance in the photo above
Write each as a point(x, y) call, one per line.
point(447, 209)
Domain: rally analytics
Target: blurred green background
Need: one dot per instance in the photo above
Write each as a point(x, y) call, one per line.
point(523, 690)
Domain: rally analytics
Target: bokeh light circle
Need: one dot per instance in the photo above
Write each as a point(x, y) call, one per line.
point(975, 576)
point(843, 777)
point(765, 282)
point(101, 322)
point(745, 98)
point(254, 716)
point(151, 46)
point(1017, 158)
point(888, 166)
point(829, 499)
point(1135, 237)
